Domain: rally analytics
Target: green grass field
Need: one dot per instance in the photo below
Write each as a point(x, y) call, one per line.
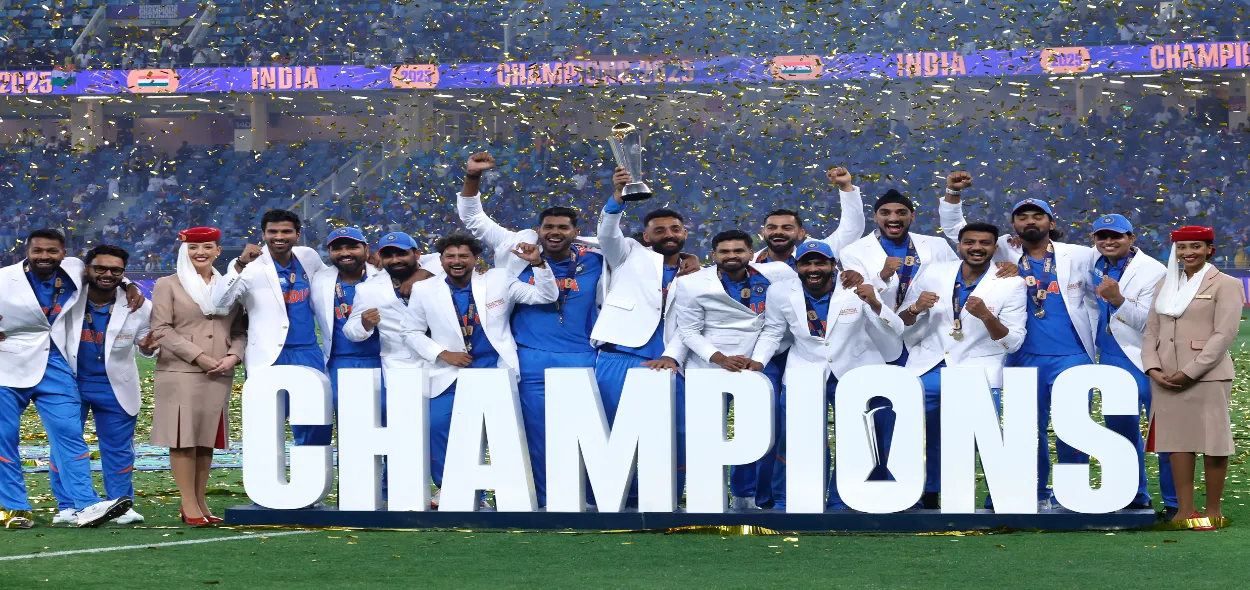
point(514, 558)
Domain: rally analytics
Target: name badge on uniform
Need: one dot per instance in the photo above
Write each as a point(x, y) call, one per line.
point(1203, 297)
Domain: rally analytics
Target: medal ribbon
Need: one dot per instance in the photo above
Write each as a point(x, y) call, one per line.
point(911, 265)
point(94, 330)
point(468, 321)
point(956, 305)
point(1037, 295)
point(814, 326)
point(747, 295)
point(58, 289)
point(562, 282)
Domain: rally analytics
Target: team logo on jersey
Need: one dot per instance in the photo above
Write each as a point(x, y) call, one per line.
point(759, 289)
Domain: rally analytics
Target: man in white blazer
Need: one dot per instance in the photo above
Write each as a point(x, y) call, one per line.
point(960, 314)
point(465, 321)
point(720, 314)
point(835, 328)
point(381, 306)
point(632, 328)
point(35, 331)
point(1122, 282)
point(108, 376)
point(275, 286)
point(549, 335)
point(783, 228)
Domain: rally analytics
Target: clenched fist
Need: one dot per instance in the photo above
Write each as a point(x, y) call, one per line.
point(958, 181)
point(250, 253)
point(892, 264)
point(1109, 291)
point(868, 294)
point(926, 300)
point(840, 177)
point(479, 163)
point(976, 306)
point(370, 319)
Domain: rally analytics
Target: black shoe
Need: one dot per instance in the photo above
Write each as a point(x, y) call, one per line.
point(1140, 506)
point(1169, 512)
point(929, 501)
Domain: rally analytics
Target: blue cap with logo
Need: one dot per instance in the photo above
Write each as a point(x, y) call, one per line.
point(346, 233)
point(397, 239)
point(1113, 222)
point(816, 248)
point(1040, 204)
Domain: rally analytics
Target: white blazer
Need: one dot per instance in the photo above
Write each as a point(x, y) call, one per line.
point(378, 293)
point(951, 220)
point(632, 308)
point(854, 335)
point(929, 340)
point(866, 257)
point(258, 288)
point(850, 224)
point(28, 335)
point(1137, 285)
point(322, 298)
point(124, 331)
point(709, 320)
point(503, 240)
point(495, 293)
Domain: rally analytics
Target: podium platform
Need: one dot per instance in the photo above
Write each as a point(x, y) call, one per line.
point(911, 521)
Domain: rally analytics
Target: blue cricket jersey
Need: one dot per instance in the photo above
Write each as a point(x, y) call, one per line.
point(820, 305)
point(91, 351)
point(484, 354)
point(340, 344)
point(46, 291)
point(295, 290)
point(1054, 334)
point(541, 327)
point(1106, 342)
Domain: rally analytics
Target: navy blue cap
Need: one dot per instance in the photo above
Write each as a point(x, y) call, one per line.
point(397, 239)
point(1113, 222)
point(346, 233)
point(815, 247)
point(1040, 204)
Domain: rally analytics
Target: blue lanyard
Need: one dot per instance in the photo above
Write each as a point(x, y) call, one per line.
point(958, 307)
point(467, 319)
point(58, 289)
point(814, 325)
point(1036, 295)
point(911, 265)
point(563, 282)
point(1102, 272)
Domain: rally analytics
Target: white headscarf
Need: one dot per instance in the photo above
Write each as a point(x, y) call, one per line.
point(1178, 291)
point(195, 286)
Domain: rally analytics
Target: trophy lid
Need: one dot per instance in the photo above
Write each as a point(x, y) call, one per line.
point(620, 130)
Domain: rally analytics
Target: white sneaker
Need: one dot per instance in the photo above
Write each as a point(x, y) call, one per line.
point(66, 516)
point(101, 512)
point(130, 517)
point(434, 498)
point(743, 503)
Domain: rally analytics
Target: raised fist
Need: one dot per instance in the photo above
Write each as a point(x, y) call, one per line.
point(250, 252)
point(892, 264)
point(479, 163)
point(958, 181)
point(370, 319)
point(977, 308)
point(840, 177)
point(868, 294)
point(529, 253)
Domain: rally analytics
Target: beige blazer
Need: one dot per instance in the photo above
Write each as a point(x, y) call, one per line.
point(187, 332)
point(1197, 343)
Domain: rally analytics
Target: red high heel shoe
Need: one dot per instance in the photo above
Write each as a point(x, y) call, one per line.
point(213, 519)
point(201, 521)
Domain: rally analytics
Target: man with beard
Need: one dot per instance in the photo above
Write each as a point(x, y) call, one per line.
point(108, 377)
point(1123, 281)
point(34, 366)
point(468, 318)
point(783, 228)
point(548, 335)
point(333, 292)
point(274, 285)
point(381, 305)
point(720, 313)
point(960, 314)
point(826, 323)
point(631, 328)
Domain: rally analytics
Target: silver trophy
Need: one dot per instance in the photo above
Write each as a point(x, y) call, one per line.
point(626, 143)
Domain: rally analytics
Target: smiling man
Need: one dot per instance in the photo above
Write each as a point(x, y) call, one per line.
point(275, 285)
point(1122, 281)
point(783, 229)
point(464, 322)
point(960, 314)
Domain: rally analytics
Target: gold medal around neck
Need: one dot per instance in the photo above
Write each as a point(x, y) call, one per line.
point(811, 315)
point(746, 292)
point(958, 332)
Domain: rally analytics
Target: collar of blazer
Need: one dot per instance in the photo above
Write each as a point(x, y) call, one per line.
point(1208, 281)
point(24, 292)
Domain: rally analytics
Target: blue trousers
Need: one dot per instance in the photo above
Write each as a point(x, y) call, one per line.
point(1167, 487)
point(533, 393)
point(57, 399)
point(115, 430)
point(610, 371)
point(757, 480)
point(313, 358)
point(1048, 369)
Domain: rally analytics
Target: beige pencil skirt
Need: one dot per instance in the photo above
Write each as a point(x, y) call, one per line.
point(1195, 420)
point(191, 410)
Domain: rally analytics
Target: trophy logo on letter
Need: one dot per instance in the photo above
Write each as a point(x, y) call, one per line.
point(626, 142)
